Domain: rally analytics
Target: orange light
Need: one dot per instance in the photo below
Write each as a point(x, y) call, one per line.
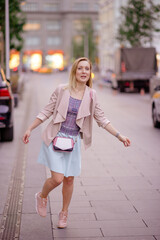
point(14, 59)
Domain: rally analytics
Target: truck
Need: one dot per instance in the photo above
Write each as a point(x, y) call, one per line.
point(134, 67)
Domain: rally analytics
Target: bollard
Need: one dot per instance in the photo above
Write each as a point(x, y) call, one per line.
point(142, 92)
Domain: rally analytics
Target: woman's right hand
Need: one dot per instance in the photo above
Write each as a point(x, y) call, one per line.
point(26, 136)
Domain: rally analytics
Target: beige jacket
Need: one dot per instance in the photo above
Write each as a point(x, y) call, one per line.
point(58, 106)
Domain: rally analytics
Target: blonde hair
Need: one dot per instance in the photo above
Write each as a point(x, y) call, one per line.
point(72, 77)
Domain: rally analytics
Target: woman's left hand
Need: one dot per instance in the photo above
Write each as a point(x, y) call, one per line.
point(125, 140)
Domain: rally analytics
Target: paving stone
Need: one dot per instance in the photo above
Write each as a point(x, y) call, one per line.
point(83, 238)
point(130, 231)
point(57, 205)
point(142, 194)
point(105, 195)
point(155, 181)
point(81, 210)
point(35, 227)
point(129, 223)
point(102, 214)
point(88, 238)
point(114, 238)
point(149, 214)
point(35, 178)
point(58, 196)
point(153, 222)
point(72, 233)
point(131, 238)
point(114, 206)
point(147, 205)
point(102, 187)
point(97, 181)
point(131, 183)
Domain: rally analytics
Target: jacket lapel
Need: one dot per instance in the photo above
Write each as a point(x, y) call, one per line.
point(63, 106)
point(84, 109)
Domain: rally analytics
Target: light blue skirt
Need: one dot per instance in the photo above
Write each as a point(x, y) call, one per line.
point(67, 163)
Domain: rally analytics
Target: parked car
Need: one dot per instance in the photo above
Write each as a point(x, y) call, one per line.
point(156, 107)
point(6, 108)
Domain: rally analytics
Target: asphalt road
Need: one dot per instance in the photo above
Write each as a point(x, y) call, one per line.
point(117, 195)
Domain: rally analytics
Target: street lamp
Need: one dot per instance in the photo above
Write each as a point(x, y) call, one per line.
point(7, 44)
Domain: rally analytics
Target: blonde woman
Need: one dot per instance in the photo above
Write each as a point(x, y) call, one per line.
point(72, 108)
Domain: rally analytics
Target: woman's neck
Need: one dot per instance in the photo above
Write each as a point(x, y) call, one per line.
point(80, 87)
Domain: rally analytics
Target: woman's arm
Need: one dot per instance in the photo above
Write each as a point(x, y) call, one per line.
point(27, 134)
point(45, 113)
point(115, 133)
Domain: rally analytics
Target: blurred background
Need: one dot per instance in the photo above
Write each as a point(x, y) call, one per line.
point(54, 33)
point(119, 189)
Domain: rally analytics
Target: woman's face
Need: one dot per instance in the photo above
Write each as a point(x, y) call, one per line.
point(83, 72)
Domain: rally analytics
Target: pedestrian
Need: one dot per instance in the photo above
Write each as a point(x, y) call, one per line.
point(72, 107)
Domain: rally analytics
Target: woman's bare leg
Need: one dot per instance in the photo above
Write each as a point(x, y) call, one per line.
point(67, 191)
point(51, 183)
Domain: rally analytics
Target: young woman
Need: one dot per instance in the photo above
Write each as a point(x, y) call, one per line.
point(72, 107)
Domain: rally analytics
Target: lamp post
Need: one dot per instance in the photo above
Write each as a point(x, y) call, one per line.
point(7, 38)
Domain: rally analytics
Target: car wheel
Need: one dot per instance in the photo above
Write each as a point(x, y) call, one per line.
point(7, 134)
point(156, 123)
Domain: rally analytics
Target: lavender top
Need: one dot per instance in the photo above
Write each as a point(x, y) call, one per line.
point(69, 126)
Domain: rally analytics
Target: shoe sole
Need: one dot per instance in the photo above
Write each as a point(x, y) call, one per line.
point(61, 227)
point(36, 205)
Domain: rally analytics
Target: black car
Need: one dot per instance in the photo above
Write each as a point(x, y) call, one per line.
point(6, 109)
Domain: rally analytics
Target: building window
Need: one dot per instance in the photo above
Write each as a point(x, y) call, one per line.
point(53, 25)
point(96, 7)
point(53, 41)
point(29, 7)
point(32, 41)
point(80, 24)
point(50, 7)
point(31, 26)
point(81, 6)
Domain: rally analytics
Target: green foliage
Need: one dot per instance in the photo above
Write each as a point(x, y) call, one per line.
point(17, 20)
point(78, 48)
point(138, 24)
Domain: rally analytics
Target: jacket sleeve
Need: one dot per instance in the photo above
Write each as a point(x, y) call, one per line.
point(99, 115)
point(48, 110)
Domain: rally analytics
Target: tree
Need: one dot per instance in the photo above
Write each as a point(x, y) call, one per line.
point(78, 46)
point(17, 20)
point(139, 22)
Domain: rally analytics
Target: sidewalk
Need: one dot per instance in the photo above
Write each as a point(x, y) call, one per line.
point(117, 196)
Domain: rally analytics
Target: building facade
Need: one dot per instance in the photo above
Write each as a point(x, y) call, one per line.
point(51, 27)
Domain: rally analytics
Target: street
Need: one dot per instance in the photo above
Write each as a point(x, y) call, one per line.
point(117, 196)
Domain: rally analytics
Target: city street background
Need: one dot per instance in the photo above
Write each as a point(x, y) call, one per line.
point(117, 196)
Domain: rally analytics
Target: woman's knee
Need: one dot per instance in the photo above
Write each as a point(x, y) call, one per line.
point(68, 180)
point(57, 178)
